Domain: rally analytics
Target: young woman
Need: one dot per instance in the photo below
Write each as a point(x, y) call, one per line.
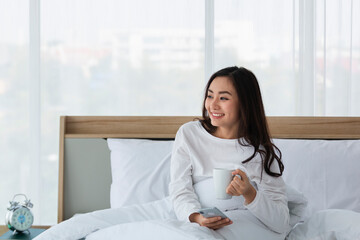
point(233, 134)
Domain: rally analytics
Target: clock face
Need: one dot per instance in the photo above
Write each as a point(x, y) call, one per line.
point(22, 219)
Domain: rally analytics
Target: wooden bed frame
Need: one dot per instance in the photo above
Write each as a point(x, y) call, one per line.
point(160, 127)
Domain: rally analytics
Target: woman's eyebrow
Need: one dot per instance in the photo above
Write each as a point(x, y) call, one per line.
point(221, 92)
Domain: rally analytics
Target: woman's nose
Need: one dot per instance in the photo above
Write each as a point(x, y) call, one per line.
point(214, 104)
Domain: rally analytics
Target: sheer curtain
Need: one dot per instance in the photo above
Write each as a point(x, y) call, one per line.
point(261, 36)
point(117, 57)
point(305, 53)
point(337, 54)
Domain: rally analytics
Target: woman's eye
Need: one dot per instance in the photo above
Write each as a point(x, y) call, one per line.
point(209, 96)
point(224, 98)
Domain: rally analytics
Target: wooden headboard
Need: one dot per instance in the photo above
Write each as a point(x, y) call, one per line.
point(154, 127)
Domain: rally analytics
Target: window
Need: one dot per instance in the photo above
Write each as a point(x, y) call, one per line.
point(140, 57)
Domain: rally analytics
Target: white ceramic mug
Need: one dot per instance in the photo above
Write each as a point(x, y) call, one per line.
point(222, 178)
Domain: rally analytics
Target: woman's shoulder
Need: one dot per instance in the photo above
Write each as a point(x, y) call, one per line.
point(190, 127)
point(188, 132)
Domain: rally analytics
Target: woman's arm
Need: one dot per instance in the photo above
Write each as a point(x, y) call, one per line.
point(183, 196)
point(269, 202)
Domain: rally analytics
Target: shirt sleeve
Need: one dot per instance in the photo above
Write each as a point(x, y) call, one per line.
point(182, 194)
point(270, 205)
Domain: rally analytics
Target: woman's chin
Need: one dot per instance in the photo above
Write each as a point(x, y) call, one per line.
point(215, 122)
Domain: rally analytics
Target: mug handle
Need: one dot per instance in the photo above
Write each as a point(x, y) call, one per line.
point(237, 175)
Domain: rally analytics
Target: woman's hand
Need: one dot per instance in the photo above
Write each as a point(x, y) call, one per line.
point(241, 186)
point(213, 222)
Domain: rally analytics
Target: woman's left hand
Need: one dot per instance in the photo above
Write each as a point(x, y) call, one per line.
point(241, 186)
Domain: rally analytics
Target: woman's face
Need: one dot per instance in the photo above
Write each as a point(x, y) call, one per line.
point(222, 104)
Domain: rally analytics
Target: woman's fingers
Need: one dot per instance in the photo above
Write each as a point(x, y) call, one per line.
point(237, 182)
point(211, 220)
point(239, 185)
point(231, 189)
point(222, 225)
point(235, 187)
point(241, 173)
point(219, 224)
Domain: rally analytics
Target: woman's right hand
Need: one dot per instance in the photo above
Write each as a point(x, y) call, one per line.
point(212, 223)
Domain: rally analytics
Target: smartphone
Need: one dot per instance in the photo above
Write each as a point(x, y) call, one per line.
point(212, 212)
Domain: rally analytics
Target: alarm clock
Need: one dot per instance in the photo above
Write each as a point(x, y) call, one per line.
point(18, 216)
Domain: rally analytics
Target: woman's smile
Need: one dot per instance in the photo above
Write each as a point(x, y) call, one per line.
point(217, 115)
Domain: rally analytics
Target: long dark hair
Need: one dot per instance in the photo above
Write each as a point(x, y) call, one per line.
point(253, 125)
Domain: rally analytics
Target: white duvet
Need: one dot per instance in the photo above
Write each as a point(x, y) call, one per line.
point(155, 220)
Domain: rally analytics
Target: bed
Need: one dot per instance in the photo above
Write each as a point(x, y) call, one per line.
point(111, 162)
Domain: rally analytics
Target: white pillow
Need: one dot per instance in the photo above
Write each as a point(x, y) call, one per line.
point(325, 171)
point(140, 170)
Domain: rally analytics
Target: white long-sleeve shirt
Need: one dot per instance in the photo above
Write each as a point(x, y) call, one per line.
point(196, 152)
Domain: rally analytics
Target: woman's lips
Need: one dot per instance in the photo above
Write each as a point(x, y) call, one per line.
point(217, 115)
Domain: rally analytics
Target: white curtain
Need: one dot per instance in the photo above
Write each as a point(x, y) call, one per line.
point(141, 57)
point(305, 53)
